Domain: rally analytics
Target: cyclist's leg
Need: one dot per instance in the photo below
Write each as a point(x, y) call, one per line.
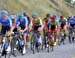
point(25, 37)
point(70, 32)
point(7, 29)
point(25, 42)
point(49, 36)
point(14, 40)
point(3, 30)
point(55, 34)
point(69, 35)
point(40, 38)
point(54, 29)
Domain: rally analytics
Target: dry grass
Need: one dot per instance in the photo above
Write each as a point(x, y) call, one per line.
point(40, 6)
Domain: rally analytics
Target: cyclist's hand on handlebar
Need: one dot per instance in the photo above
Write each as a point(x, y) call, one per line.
point(21, 30)
point(8, 33)
point(39, 29)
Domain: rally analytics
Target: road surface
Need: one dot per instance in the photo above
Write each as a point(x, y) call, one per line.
point(62, 51)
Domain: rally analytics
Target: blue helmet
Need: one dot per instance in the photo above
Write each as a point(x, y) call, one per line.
point(4, 12)
point(20, 15)
point(74, 16)
point(34, 15)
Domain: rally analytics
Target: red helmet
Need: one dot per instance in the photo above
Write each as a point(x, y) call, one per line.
point(61, 17)
point(53, 18)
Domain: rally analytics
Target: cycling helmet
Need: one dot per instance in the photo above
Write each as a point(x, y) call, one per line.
point(53, 18)
point(4, 12)
point(48, 15)
point(54, 15)
point(34, 15)
point(61, 17)
point(20, 15)
point(24, 14)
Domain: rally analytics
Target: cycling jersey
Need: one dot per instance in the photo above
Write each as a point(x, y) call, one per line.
point(53, 23)
point(71, 21)
point(36, 23)
point(50, 23)
point(6, 24)
point(57, 19)
point(62, 22)
point(47, 21)
point(65, 19)
point(23, 22)
point(14, 24)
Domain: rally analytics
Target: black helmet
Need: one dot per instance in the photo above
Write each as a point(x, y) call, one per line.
point(47, 15)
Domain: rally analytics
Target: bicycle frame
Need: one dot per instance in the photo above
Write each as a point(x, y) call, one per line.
point(71, 39)
point(51, 39)
point(35, 44)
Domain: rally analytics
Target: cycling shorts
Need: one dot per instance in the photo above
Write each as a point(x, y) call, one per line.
point(72, 26)
point(53, 28)
point(5, 29)
point(62, 26)
point(36, 26)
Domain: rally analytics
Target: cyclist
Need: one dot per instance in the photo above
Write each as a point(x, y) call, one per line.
point(71, 23)
point(63, 23)
point(14, 27)
point(48, 17)
point(22, 21)
point(45, 28)
point(36, 24)
point(53, 27)
point(6, 25)
point(29, 20)
point(63, 26)
point(14, 23)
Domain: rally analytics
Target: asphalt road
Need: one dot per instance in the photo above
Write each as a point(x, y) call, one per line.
point(62, 51)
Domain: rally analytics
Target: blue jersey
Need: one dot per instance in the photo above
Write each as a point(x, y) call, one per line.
point(6, 22)
point(57, 19)
point(71, 21)
point(49, 21)
point(24, 22)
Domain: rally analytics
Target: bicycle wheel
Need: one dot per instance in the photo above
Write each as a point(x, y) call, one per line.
point(52, 48)
point(48, 48)
point(33, 48)
point(33, 45)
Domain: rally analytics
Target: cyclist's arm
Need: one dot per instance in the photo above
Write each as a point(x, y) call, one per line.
point(26, 23)
point(66, 23)
point(14, 24)
point(41, 23)
point(11, 27)
point(49, 23)
point(0, 20)
point(57, 24)
point(30, 26)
